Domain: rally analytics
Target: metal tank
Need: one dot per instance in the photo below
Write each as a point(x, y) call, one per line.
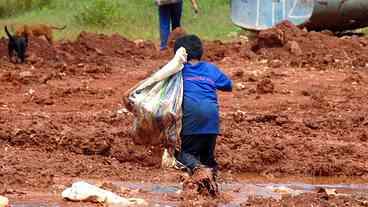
point(336, 15)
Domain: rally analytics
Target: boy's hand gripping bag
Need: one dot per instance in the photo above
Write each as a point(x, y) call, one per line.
point(156, 103)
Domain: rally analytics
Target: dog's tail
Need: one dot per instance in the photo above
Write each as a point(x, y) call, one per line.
point(58, 28)
point(7, 33)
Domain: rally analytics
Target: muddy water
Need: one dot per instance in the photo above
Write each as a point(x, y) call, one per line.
point(241, 191)
point(168, 194)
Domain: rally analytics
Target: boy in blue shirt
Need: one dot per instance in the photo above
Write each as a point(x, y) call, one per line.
point(200, 107)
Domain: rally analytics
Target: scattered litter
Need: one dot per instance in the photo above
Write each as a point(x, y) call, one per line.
point(244, 38)
point(284, 190)
point(31, 91)
point(167, 161)
point(82, 191)
point(139, 43)
point(281, 189)
point(240, 86)
point(327, 191)
point(294, 48)
point(123, 111)
point(263, 61)
point(25, 74)
point(4, 201)
point(239, 116)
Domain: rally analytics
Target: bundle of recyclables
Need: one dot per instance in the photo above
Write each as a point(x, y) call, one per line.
point(156, 103)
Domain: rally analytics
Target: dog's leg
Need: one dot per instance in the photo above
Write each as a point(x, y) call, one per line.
point(49, 38)
point(10, 52)
point(17, 57)
point(22, 57)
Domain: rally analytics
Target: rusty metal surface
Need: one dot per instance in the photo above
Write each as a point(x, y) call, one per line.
point(338, 15)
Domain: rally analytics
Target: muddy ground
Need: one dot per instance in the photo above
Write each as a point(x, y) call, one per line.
point(299, 107)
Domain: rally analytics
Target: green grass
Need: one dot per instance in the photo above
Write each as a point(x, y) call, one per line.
point(364, 30)
point(137, 19)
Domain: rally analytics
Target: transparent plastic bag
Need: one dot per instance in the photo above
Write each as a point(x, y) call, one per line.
point(157, 108)
point(156, 105)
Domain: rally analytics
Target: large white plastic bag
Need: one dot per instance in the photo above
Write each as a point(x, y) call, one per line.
point(158, 111)
point(156, 103)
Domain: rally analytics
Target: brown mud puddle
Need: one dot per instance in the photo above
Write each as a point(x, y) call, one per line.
point(239, 192)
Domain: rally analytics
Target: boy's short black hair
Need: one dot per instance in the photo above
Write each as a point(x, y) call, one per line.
point(192, 44)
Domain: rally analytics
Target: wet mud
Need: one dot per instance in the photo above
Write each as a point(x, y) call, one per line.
point(233, 193)
point(299, 107)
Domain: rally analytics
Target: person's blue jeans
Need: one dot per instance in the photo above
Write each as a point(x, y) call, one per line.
point(198, 150)
point(170, 13)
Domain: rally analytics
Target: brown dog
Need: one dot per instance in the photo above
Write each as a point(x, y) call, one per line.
point(37, 30)
point(174, 35)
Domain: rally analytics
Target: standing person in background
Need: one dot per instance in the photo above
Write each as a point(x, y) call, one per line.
point(170, 11)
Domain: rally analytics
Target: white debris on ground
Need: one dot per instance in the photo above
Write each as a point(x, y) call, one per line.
point(284, 190)
point(82, 191)
point(4, 201)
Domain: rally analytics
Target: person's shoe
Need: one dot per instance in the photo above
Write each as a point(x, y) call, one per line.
point(205, 180)
point(180, 166)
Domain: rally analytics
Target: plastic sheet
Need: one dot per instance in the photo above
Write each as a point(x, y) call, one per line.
point(156, 103)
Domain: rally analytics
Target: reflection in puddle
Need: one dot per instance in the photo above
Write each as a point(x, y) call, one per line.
point(165, 189)
point(35, 205)
point(239, 191)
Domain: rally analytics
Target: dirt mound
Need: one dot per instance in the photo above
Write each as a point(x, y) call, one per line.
point(91, 55)
point(84, 134)
point(301, 48)
point(102, 45)
point(88, 48)
point(218, 50)
point(310, 199)
point(280, 139)
point(40, 48)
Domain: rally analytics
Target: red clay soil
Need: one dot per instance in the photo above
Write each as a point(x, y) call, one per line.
point(310, 199)
point(301, 109)
point(303, 200)
point(300, 48)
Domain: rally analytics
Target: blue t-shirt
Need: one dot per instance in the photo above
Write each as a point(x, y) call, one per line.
point(200, 107)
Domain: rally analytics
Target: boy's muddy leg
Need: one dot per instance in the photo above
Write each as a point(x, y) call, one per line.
point(202, 181)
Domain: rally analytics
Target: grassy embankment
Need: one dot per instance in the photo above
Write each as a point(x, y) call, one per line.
point(135, 19)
